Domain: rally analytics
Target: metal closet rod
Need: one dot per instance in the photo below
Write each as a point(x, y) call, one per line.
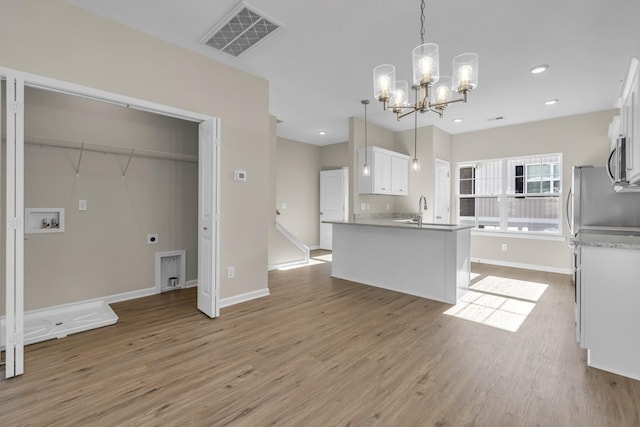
point(125, 151)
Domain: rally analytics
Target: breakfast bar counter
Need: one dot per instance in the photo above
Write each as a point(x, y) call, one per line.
point(426, 260)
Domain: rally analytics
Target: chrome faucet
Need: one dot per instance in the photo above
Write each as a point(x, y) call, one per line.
point(422, 206)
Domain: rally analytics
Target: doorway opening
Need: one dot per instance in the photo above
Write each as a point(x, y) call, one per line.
point(205, 200)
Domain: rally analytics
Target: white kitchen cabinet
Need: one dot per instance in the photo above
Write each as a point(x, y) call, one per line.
point(399, 175)
point(630, 120)
point(389, 172)
point(608, 315)
point(381, 172)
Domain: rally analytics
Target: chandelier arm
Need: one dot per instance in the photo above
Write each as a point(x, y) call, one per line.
point(408, 113)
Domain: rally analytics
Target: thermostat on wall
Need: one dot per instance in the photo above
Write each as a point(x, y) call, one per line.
point(240, 175)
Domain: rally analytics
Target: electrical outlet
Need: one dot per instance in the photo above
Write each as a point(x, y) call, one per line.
point(152, 239)
point(231, 272)
point(82, 205)
point(363, 206)
point(504, 247)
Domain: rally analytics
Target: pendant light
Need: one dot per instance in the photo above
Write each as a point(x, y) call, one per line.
point(365, 167)
point(435, 91)
point(416, 163)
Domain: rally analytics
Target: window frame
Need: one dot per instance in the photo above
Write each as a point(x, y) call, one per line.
point(508, 190)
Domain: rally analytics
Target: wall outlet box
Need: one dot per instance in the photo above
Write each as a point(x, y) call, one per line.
point(152, 239)
point(239, 175)
point(231, 272)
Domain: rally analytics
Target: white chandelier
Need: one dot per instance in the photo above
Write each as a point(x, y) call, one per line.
point(433, 92)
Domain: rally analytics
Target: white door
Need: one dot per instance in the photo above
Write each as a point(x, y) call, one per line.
point(207, 218)
point(334, 196)
point(443, 192)
point(14, 261)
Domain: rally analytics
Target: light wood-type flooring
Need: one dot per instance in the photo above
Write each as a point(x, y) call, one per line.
point(322, 352)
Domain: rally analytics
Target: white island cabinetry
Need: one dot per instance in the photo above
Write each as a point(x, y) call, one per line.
point(389, 172)
point(430, 261)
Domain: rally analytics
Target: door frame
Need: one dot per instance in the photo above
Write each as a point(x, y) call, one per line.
point(344, 173)
point(446, 163)
point(15, 254)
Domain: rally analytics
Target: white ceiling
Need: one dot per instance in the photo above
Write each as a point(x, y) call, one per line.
point(319, 66)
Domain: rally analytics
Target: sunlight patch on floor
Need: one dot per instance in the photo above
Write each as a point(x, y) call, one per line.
point(531, 291)
point(312, 261)
point(499, 302)
point(325, 258)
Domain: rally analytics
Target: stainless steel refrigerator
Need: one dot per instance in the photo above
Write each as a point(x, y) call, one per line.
point(594, 205)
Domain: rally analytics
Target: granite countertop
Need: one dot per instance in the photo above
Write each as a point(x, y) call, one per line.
point(402, 223)
point(619, 239)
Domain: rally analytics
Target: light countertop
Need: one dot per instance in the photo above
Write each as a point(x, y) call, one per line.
point(619, 239)
point(402, 224)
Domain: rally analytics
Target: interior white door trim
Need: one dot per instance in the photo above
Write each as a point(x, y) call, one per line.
point(15, 187)
point(442, 197)
point(14, 220)
point(334, 202)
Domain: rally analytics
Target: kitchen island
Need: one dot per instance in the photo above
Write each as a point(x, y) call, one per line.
point(426, 260)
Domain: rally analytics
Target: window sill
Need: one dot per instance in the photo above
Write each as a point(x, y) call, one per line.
point(537, 236)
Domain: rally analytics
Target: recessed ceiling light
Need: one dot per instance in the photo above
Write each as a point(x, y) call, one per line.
point(457, 120)
point(551, 102)
point(539, 69)
point(322, 132)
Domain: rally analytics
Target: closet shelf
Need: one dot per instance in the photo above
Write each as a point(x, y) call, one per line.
point(125, 151)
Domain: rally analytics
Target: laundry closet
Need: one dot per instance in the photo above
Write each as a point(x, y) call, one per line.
point(111, 201)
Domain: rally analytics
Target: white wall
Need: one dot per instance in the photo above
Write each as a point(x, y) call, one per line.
point(582, 140)
point(57, 40)
point(298, 187)
point(378, 137)
point(103, 250)
point(432, 143)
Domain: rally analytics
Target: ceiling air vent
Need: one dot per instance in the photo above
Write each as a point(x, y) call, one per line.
point(240, 30)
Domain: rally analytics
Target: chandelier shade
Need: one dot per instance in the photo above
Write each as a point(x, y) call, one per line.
point(400, 97)
point(384, 81)
point(442, 91)
point(426, 64)
point(465, 72)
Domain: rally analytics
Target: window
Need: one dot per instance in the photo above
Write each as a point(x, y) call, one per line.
point(513, 194)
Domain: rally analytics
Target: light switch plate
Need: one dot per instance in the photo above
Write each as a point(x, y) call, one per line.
point(82, 205)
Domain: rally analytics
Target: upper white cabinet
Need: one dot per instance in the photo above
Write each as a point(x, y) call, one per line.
point(399, 175)
point(389, 172)
point(630, 121)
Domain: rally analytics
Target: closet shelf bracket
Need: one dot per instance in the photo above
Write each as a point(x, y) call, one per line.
point(126, 168)
point(79, 159)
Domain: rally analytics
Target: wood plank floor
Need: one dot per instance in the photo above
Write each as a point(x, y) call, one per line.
point(321, 352)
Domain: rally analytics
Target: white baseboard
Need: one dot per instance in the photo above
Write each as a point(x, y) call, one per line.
point(125, 296)
point(314, 247)
point(525, 266)
point(191, 283)
point(237, 299)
